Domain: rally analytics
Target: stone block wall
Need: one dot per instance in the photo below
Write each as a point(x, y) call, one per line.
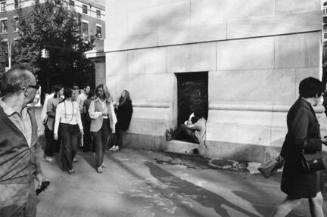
point(255, 53)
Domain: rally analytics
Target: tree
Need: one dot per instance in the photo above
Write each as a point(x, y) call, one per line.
point(3, 56)
point(55, 28)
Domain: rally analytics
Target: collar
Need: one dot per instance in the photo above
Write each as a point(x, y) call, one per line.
point(9, 111)
point(305, 103)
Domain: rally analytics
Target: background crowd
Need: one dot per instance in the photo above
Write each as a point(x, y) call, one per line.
point(83, 118)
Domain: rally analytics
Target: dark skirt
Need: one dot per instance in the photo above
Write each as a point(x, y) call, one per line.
point(298, 184)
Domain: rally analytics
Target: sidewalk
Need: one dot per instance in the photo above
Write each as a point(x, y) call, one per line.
point(147, 184)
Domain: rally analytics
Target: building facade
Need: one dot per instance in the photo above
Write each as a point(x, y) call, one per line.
point(253, 54)
point(92, 18)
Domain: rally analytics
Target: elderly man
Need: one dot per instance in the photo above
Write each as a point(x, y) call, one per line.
point(19, 166)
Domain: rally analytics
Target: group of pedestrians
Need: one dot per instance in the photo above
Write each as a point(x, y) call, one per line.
point(20, 167)
point(85, 118)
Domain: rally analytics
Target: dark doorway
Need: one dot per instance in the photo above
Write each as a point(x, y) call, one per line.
point(192, 94)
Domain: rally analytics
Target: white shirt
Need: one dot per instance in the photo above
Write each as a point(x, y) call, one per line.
point(80, 99)
point(44, 109)
point(68, 112)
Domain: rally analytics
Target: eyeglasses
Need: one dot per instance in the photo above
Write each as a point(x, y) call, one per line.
point(36, 86)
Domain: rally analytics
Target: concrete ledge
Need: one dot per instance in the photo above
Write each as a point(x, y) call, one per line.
point(241, 152)
point(181, 147)
point(254, 107)
point(216, 149)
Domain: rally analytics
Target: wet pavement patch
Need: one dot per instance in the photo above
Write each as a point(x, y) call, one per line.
point(200, 162)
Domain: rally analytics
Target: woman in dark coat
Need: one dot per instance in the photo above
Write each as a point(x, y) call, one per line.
point(124, 115)
point(88, 145)
point(303, 136)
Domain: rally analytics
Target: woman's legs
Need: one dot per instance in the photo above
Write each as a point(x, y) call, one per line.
point(286, 207)
point(316, 205)
point(98, 147)
point(119, 137)
point(66, 147)
point(104, 137)
point(75, 138)
point(49, 142)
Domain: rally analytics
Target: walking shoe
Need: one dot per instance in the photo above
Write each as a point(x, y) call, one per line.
point(71, 171)
point(75, 160)
point(49, 159)
point(103, 166)
point(112, 148)
point(100, 169)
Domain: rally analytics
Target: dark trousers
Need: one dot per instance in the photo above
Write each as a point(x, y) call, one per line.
point(100, 139)
point(119, 137)
point(185, 134)
point(51, 146)
point(70, 135)
point(88, 146)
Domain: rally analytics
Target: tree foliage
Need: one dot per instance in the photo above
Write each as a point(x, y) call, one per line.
point(57, 29)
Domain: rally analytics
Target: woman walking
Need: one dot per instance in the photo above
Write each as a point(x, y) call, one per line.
point(68, 122)
point(52, 146)
point(124, 114)
point(303, 137)
point(103, 120)
point(88, 144)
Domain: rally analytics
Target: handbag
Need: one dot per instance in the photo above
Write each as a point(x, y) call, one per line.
point(268, 168)
point(312, 162)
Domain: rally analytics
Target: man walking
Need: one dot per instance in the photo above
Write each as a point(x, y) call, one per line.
point(19, 166)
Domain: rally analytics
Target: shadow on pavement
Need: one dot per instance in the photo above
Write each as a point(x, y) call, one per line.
point(200, 195)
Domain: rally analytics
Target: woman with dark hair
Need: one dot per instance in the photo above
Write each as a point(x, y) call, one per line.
point(103, 120)
point(68, 121)
point(303, 137)
point(88, 145)
point(52, 146)
point(124, 115)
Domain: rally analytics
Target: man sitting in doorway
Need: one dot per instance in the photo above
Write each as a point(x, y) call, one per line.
point(193, 130)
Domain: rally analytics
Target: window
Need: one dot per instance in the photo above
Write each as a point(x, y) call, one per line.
point(98, 14)
point(85, 28)
point(3, 26)
point(2, 6)
point(16, 24)
point(17, 4)
point(84, 9)
point(98, 33)
point(71, 3)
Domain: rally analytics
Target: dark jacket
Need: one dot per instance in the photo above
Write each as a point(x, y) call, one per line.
point(86, 106)
point(18, 163)
point(303, 136)
point(124, 115)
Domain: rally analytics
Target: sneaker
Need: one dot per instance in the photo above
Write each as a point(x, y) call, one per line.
point(168, 135)
point(49, 159)
point(71, 171)
point(100, 169)
point(112, 148)
point(75, 160)
point(103, 166)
